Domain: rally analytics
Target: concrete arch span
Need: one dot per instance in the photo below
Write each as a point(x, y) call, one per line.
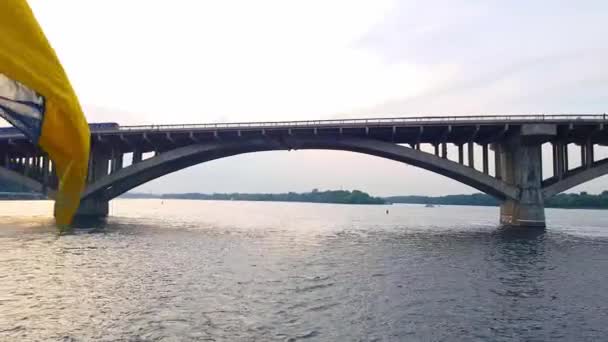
point(576, 177)
point(25, 181)
point(137, 174)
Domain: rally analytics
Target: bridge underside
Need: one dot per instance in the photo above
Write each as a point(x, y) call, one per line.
point(129, 177)
point(513, 150)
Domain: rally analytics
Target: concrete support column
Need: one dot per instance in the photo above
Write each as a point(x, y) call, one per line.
point(471, 148)
point(560, 160)
point(444, 150)
point(589, 154)
point(41, 169)
point(99, 165)
point(436, 146)
point(112, 162)
point(137, 155)
point(484, 149)
point(565, 152)
point(460, 154)
point(118, 158)
point(521, 166)
point(497, 161)
point(92, 208)
point(25, 166)
point(583, 155)
point(90, 176)
point(37, 167)
point(32, 167)
point(554, 153)
point(99, 162)
point(45, 172)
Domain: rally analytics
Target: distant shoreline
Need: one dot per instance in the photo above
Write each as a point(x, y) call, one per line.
point(315, 196)
point(387, 203)
point(561, 201)
point(582, 200)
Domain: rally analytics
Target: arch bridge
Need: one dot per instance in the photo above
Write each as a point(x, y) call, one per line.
point(509, 166)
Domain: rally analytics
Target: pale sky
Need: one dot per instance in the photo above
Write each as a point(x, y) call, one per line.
point(139, 62)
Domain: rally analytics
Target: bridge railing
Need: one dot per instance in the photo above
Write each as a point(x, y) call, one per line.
point(375, 121)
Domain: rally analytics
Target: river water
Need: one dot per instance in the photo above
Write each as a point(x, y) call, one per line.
point(179, 270)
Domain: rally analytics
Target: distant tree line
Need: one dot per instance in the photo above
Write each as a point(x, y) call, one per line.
point(580, 200)
point(566, 200)
point(474, 199)
point(315, 196)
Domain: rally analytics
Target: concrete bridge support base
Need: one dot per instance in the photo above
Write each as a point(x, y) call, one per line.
point(95, 208)
point(521, 166)
point(92, 208)
point(518, 214)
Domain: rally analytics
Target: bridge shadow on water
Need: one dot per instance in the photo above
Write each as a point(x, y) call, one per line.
point(516, 246)
point(519, 234)
point(87, 224)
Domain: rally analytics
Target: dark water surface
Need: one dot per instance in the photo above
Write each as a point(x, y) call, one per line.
point(244, 271)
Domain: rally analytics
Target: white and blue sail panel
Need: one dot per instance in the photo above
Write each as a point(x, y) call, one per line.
point(21, 107)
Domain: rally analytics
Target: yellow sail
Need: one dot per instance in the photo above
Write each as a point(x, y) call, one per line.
point(37, 97)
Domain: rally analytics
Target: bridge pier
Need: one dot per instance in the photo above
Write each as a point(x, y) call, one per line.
point(99, 164)
point(520, 165)
point(92, 208)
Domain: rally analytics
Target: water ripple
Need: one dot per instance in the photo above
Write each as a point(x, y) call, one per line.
point(220, 271)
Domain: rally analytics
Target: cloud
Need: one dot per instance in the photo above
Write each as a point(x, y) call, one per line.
point(496, 57)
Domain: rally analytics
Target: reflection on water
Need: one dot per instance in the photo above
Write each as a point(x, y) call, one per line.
point(241, 271)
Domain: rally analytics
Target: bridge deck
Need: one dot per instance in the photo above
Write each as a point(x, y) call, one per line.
point(391, 121)
point(403, 130)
